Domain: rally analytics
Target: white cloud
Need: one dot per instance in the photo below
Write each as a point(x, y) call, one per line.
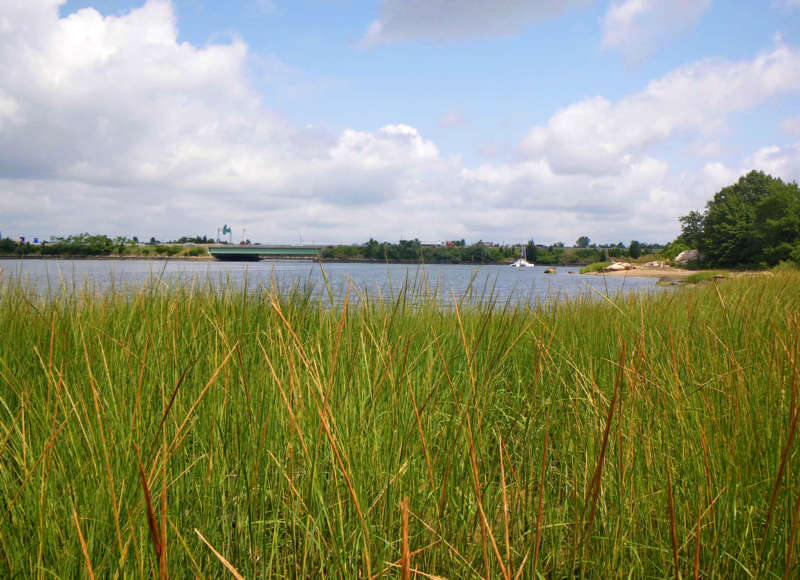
point(636, 27)
point(596, 136)
point(110, 124)
point(445, 20)
point(778, 161)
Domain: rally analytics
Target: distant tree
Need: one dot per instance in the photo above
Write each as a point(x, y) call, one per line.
point(531, 253)
point(372, 250)
point(635, 249)
point(582, 242)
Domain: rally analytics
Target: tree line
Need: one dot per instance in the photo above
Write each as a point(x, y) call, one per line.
point(99, 245)
point(458, 252)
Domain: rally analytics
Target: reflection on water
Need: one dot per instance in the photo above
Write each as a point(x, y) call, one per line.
point(328, 282)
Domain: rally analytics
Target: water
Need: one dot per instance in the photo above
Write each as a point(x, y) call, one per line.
point(440, 281)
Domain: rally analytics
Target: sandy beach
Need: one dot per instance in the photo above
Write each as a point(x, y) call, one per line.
point(674, 273)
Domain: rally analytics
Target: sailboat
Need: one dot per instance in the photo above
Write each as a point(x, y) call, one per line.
point(521, 262)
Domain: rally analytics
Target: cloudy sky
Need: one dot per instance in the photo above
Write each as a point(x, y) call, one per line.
point(340, 120)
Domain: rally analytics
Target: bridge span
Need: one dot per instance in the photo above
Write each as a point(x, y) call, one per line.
point(258, 252)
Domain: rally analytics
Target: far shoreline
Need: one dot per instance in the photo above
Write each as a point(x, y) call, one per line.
point(637, 272)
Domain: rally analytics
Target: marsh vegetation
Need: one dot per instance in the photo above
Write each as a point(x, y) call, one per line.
point(186, 429)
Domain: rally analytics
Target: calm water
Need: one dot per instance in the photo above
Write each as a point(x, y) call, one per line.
point(501, 283)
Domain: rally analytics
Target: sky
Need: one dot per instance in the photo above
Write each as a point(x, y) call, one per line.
point(336, 121)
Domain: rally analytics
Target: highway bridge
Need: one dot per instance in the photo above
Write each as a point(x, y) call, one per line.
point(258, 252)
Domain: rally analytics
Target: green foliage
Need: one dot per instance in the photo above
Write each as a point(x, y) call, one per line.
point(752, 223)
point(635, 249)
point(786, 266)
point(582, 242)
point(414, 251)
point(195, 240)
point(7, 245)
point(196, 251)
point(703, 276)
point(596, 267)
point(691, 229)
point(531, 251)
point(672, 249)
point(80, 245)
point(167, 250)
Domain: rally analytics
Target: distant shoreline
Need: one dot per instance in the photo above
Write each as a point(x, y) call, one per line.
point(60, 257)
point(274, 258)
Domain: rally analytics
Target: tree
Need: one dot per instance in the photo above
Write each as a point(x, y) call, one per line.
point(635, 249)
point(754, 222)
point(691, 228)
point(582, 242)
point(531, 253)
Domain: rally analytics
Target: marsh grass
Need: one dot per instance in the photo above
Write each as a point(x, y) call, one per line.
point(193, 429)
point(705, 276)
point(596, 267)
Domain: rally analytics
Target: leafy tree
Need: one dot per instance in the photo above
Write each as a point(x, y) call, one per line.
point(7, 245)
point(691, 229)
point(531, 253)
point(582, 242)
point(754, 222)
point(635, 249)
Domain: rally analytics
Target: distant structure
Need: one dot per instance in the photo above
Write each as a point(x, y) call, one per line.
point(225, 230)
point(253, 253)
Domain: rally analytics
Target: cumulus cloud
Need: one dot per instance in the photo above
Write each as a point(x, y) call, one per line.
point(778, 161)
point(636, 27)
point(444, 20)
point(597, 137)
point(115, 121)
point(110, 124)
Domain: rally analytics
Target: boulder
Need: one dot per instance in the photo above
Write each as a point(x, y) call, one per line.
point(687, 256)
point(619, 266)
point(550, 271)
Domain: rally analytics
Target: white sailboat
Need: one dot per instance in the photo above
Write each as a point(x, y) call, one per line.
point(521, 262)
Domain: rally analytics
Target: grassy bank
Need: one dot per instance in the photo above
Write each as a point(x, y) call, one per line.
point(179, 431)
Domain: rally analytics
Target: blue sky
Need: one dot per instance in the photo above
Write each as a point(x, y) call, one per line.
point(344, 119)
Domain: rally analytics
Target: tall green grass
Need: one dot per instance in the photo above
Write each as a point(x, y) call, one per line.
point(187, 430)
